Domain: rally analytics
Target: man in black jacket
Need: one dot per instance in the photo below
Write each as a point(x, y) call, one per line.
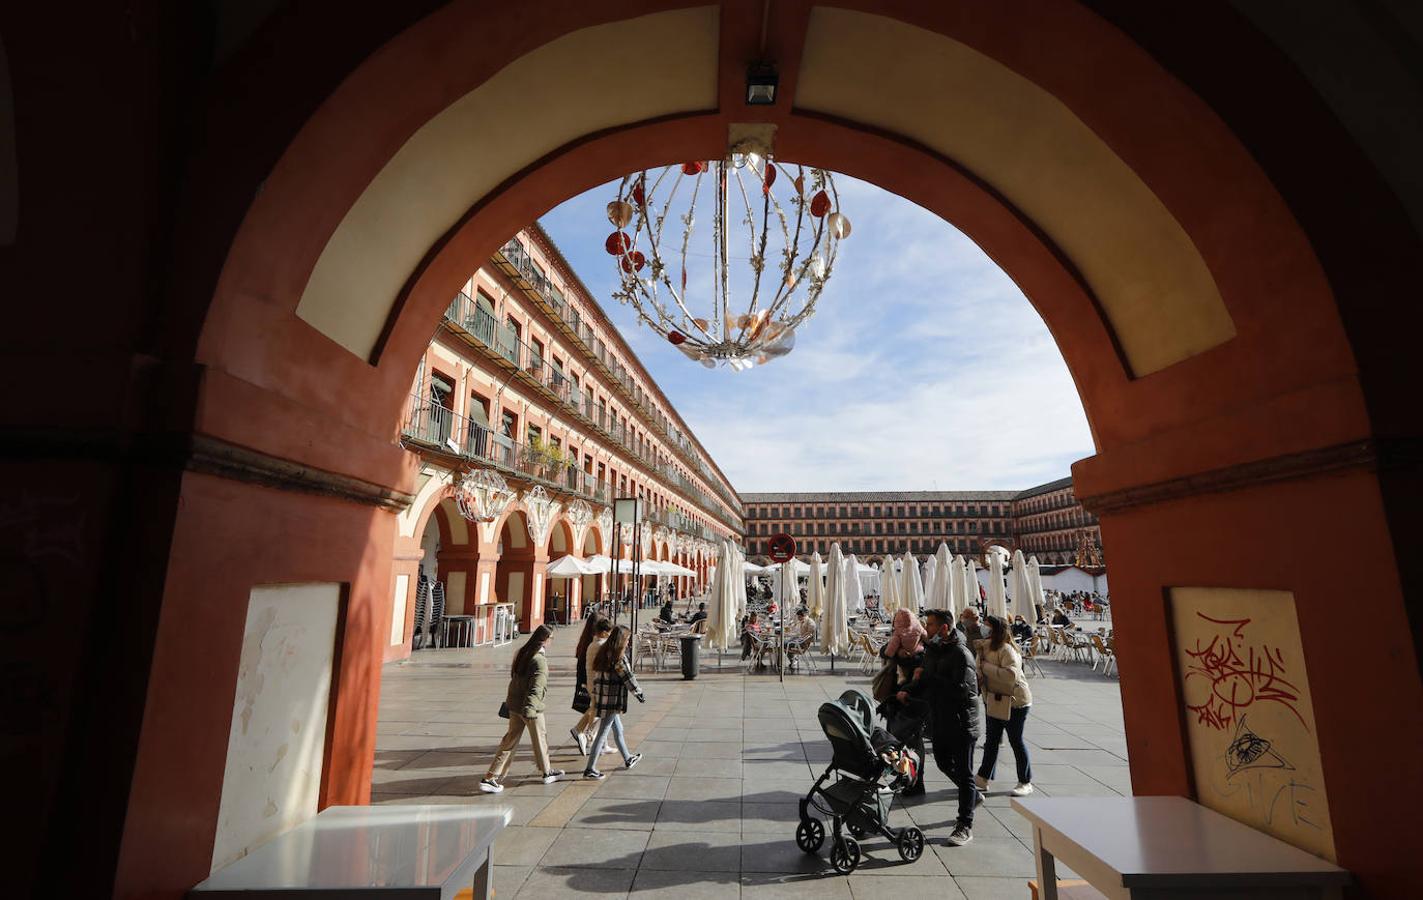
point(948, 681)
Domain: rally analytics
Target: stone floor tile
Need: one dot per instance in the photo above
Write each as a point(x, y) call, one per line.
point(652, 884)
point(648, 765)
point(773, 818)
point(909, 887)
point(612, 812)
point(506, 880)
point(604, 848)
point(696, 788)
point(708, 768)
point(791, 886)
point(679, 850)
point(702, 735)
point(700, 815)
point(649, 788)
point(555, 883)
point(986, 856)
point(779, 853)
point(520, 845)
point(986, 888)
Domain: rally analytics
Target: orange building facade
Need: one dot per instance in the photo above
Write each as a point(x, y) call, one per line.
point(1045, 521)
point(529, 388)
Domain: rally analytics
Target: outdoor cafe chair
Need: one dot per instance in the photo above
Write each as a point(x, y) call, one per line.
point(1106, 655)
point(1030, 656)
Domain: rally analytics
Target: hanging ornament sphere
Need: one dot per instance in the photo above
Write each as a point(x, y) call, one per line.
point(620, 213)
point(617, 243)
point(728, 310)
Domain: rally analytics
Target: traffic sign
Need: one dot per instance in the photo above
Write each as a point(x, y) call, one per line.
point(782, 547)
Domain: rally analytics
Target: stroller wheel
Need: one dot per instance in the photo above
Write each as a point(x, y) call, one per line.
point(809, 835)
point(845, 855)
point(911, 844)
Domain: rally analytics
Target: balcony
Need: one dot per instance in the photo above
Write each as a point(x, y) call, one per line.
point(515, 260)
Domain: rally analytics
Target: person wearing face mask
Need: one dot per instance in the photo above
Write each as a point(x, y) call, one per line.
point(948, 682)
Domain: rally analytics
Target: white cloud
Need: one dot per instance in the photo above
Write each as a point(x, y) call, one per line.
point(924, 367)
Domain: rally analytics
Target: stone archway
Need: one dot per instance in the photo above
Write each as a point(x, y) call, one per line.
point(561, 594)
point(1211, 439)
point(514, 578)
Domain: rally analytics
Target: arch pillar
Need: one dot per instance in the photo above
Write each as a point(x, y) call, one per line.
point(404, 579)
point(533, 615)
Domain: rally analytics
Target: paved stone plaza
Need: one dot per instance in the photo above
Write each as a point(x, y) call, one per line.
point(711, 809)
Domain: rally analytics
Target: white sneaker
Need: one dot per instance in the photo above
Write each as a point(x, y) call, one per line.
point(580, 740)
point(1022, 790)
point(551, 777)
point(490, 786)
point(981, 783)
point(609, 748)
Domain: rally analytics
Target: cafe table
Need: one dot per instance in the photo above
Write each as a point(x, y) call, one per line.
point(1152, 848)
point(370, 853)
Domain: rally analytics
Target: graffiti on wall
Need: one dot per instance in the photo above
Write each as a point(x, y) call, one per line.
point(1249, 716)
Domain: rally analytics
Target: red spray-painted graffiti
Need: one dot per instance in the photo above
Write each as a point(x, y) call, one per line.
point(1226, 675)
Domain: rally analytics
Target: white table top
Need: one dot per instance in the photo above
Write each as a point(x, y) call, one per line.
point(367, 848)
point(1175, 842)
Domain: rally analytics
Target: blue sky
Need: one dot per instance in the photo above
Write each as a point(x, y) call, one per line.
point(924, 367)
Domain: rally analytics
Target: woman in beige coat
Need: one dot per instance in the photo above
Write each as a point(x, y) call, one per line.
point(1006, 701)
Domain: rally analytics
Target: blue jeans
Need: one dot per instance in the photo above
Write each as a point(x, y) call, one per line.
point(994, 735)
point(610, 722)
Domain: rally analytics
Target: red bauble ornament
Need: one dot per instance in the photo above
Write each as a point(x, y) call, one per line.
point(634, 261)
point(820, 204)
point(693, 168)
point(638, 195)
point(676, 337)
point(769, 179)
point(617, 243)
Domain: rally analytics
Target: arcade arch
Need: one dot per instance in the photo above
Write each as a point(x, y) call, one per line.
point(1180, 296)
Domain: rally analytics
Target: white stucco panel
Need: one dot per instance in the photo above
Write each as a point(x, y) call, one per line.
point(278, 736)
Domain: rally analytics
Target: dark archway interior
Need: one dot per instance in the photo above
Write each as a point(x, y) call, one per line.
point(222, 431)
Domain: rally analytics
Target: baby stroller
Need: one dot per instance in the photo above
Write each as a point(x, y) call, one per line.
point(870, 767)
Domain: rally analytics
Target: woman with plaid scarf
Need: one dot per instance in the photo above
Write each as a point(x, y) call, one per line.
point(612, 681)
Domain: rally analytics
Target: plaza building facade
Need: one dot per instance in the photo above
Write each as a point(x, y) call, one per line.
point(530, 414)
point(1045, 521)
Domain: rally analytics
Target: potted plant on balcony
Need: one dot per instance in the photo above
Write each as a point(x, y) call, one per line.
point(544, 459)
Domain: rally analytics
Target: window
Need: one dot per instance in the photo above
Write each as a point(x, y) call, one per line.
point(509, 424)
point(535, 433)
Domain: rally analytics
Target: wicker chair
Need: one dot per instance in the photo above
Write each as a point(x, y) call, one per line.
point(1107, 655)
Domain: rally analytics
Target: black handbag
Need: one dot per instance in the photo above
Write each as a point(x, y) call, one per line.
point(581, 698)
point(504, 710)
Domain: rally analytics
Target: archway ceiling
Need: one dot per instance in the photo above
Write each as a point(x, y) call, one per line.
point(586, 81)
point(1151, 282)
point(1152, 285)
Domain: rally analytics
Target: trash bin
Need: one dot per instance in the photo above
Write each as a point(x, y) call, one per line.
point(691, 660)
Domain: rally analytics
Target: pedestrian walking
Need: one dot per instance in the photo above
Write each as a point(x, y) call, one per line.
point(1006, 701)
point(595, 632)
point(524, 705)
point(948, 682)
point(612, 682)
